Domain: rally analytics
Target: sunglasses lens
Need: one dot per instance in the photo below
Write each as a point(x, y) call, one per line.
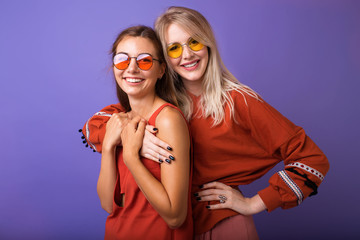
point(174, 50)
point(144, 61)
point(121, 61)
point(195, 45)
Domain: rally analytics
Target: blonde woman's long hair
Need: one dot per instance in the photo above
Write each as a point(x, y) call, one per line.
point(217, 81)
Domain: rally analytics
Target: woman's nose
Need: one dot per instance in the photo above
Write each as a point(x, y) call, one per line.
point(133, 67)
point(187, 53)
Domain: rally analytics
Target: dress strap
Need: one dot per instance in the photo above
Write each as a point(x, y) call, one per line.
point(156, 113)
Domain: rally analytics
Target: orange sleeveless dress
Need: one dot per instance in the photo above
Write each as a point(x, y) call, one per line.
point(137, 219)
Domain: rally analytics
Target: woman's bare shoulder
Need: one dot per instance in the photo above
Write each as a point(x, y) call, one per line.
point(170, 117)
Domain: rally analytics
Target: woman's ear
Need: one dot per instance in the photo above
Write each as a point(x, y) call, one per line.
point(162, 70)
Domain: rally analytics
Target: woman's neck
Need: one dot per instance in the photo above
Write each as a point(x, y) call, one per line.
point(144, 107)
point(194, 87)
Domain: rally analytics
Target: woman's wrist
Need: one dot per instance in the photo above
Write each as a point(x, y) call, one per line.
point(256, 204)
point(130, 158)
point(131, 154)
point(108, 148)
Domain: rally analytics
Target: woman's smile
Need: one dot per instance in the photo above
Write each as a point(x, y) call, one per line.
point(190, 66)
point(133, 80)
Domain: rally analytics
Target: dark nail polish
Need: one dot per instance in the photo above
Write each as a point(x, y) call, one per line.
point(171, 157)
point(84, 141)
point(201, 186)
point(207, 206)
point(82, 137)
point(169, 148)
point(196, 194)
point(80, 130)
point(161, 161)
point(167, 160)
point(198, 198)
point(155, 129)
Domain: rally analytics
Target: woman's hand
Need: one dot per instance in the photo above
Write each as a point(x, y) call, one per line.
point(155, 149)
point(132, 138)
point(152, 147)
point(229, 197)
point(114, 127)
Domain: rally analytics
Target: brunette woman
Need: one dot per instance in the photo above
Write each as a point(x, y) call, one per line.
point(145, 200)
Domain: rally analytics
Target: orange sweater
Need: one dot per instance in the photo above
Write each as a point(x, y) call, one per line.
point(241, 150)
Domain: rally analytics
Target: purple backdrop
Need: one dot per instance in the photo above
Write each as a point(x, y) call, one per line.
point(302, 56)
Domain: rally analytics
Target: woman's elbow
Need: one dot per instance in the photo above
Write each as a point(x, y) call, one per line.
point(107, 208)
point(105, 202)
point(106, 205)
point(176, 222)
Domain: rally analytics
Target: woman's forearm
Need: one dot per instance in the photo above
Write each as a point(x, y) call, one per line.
point(107, 179)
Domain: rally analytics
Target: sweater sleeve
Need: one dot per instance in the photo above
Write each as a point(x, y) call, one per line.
point(95, 127)
point(305, 164)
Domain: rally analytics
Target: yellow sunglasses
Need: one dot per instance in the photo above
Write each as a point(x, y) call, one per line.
point(174, 50)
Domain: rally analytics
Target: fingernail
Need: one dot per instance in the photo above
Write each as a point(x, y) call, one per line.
point(161, 161)
point(171, 157)
point(169, 148)
point(155, 129)
point(167, 160)
point(196, 194)
point(201, 186)
point(207, 206)
point(198, 198)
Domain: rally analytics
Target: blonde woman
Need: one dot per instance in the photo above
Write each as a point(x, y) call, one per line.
point(237, 136)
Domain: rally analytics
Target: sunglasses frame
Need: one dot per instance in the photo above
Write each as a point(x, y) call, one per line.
point(182, 48)
point(136, 60)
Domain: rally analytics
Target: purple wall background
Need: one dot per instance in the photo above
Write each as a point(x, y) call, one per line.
point(303, 57)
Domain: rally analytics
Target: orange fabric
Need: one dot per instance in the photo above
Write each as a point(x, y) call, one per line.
point(95, 128)
point(241, 150)
point(232, 228)
point(137, 219)
point(244, 148)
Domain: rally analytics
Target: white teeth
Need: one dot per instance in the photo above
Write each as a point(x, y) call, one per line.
point(191, 65)
point(133, 80)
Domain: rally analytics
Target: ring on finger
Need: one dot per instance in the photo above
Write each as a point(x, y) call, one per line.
point(222, 198)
